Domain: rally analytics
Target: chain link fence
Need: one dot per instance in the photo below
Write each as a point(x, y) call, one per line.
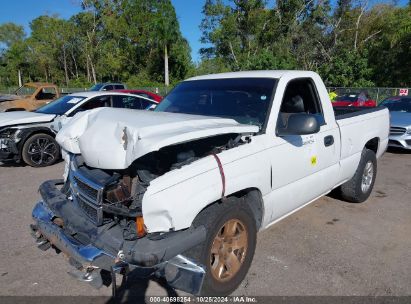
point(162, 91)
point(377, 94)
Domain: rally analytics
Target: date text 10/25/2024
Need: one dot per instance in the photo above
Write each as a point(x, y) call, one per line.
point(188, 299)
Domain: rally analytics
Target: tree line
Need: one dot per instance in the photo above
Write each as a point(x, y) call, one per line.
point(135, 41)
point(350, 43)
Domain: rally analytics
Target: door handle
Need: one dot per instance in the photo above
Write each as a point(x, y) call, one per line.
point(328, 140)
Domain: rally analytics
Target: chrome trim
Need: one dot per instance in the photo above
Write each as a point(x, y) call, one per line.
point(397, 130)
point(183, 274)
point(99, 188)
point(85, 254)
point(180, 272)
point(99, 209)
point(78, 194)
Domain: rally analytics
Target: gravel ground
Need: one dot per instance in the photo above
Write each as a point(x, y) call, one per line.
point(328, 248)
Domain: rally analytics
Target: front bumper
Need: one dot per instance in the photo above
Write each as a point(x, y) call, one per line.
point(8, 150)
point(400, 141)
point(144, 257)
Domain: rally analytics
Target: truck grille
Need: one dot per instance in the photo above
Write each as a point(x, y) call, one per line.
point(91, 211)
point(85, 189)
point(87, 194)
point(397, 130)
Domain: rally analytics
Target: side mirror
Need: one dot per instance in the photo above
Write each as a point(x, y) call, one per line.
point(300, 124)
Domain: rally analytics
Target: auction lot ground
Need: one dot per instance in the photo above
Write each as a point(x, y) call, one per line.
point(328, 248)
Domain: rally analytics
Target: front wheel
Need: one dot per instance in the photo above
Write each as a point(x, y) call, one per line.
point(359, 188)
point(40, 150)
point(229, 247)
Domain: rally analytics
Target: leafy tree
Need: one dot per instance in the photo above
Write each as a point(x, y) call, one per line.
point(13, 54)
point(11, 33)
point(166, 29)
point(390, 52)
point(350, 44)
point(110, 40)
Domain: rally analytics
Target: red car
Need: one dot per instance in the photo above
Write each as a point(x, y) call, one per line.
point(354, 100)
point(147, 94)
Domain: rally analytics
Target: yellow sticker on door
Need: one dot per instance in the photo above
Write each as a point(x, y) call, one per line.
point(313, 160)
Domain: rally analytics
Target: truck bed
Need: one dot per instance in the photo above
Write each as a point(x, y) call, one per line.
point(347, 112)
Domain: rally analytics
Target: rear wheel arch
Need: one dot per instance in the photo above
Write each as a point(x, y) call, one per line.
point(373, 144)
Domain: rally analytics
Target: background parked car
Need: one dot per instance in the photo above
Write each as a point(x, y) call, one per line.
point(107, 87)
point(144, 93)
point(29, 97)
point(361, 99)
point(400, 125)
point(29, 136)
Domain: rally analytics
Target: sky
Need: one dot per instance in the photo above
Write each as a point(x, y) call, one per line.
point(188, 13)
point(23, 11)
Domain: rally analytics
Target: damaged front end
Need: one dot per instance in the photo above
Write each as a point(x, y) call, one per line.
point(9, 138)
point(97, 216)
point(94, 220)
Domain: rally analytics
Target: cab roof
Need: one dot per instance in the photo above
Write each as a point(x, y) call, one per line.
point(256, 74)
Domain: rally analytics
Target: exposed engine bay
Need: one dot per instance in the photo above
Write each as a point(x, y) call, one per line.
point(122, 191)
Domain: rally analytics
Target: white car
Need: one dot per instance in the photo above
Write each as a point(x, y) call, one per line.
point(182, 191)
point(400, 114)
point(30, 136)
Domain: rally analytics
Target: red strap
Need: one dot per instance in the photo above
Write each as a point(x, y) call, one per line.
point(220, 167)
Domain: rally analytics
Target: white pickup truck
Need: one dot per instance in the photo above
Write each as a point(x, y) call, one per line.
point(181, 192)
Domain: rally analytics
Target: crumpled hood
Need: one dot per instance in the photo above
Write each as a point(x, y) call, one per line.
point(400, 119)
point(23, 117)
point(113, 138)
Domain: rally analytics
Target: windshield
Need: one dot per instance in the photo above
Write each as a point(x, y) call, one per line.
point(96, 87)
point(246, 100)
point(25, 90)
point(398, 104)
point(60, 106)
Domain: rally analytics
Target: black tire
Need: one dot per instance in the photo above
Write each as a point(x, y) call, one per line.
point(354, 191)
point(214, 218)
point(40, 150)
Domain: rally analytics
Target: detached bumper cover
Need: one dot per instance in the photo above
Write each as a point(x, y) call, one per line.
point(100, 247)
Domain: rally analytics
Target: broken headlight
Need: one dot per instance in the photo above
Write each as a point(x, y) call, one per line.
point(9, 133)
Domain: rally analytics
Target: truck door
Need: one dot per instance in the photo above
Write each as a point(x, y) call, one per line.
point(303, 166)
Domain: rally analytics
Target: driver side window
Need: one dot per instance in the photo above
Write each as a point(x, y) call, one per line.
point(300, 96)
point(97, 102)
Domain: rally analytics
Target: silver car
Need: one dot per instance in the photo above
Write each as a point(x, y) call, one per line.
point(400, 129)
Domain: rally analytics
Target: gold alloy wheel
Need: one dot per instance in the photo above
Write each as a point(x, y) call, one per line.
point(228, 250)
